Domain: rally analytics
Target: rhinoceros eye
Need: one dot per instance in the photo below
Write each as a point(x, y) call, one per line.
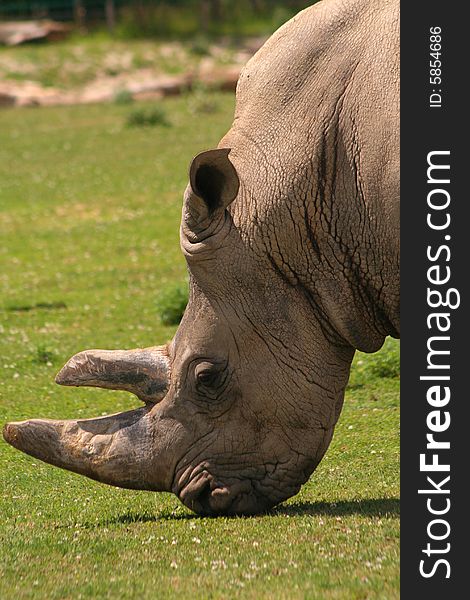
point(212, 381)
point(207, 374)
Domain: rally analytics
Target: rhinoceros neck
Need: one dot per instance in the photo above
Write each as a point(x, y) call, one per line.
point(315, 140)
point(329, 246)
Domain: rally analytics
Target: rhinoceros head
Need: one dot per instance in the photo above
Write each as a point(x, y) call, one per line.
point(240, 407)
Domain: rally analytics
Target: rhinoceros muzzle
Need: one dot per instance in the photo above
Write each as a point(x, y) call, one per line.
point(207, 495)
point(119, 449)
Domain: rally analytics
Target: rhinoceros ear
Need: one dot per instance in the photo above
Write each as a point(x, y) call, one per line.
point(213, 178)
point(213, 185)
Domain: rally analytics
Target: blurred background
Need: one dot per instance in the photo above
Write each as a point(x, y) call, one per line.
point(156, 16)
point(56, 52)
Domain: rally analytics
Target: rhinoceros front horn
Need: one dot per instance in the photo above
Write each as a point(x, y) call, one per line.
point(119, 449)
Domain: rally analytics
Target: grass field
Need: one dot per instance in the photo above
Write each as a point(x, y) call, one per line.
point(89, 216)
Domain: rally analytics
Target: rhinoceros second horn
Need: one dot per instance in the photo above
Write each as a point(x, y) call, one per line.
point(143, 372)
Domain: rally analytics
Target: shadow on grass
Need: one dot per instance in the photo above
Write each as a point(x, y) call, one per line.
point(129, 518)
point(373, 507)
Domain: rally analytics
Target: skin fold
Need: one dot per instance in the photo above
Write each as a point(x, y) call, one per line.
point(291, 234)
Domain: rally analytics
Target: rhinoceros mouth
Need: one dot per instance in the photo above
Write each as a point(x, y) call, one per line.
point(207, 495)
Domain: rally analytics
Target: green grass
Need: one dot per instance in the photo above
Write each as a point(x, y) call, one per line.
point(147, 117)
point(171, 303)
point(89, 217)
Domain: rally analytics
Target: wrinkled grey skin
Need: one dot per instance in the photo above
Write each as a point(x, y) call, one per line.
point(291, 234)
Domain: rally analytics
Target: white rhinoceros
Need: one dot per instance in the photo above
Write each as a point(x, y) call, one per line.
point(291, 234)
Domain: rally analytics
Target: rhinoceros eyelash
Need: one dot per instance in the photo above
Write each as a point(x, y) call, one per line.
point(207, 377)
point(216, 389)
point(208, 363)
point(214, 377)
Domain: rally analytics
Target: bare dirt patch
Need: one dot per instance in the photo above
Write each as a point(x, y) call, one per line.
point(82, 72)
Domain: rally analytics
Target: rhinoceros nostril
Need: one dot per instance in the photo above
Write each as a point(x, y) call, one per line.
point(194, 491)
point(203, 498)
